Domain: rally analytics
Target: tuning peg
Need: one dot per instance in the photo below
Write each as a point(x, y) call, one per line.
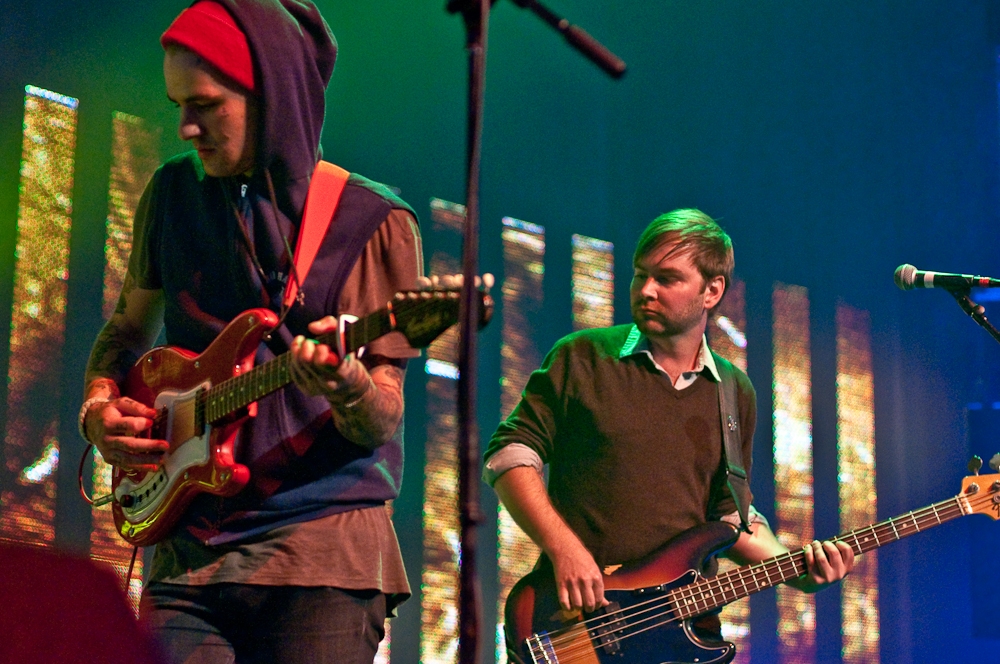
point(975, 463)
point(995, 463)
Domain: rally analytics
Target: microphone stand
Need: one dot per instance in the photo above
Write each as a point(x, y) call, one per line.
point(475, 14)
point(976, 311)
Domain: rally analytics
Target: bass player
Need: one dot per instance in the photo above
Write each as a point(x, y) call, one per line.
point(628, 420)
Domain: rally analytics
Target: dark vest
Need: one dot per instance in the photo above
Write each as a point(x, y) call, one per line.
point(301, 467)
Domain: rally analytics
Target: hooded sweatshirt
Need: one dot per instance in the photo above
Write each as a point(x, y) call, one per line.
point(189, 244)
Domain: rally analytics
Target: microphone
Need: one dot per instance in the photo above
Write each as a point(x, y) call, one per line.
point(908, 277)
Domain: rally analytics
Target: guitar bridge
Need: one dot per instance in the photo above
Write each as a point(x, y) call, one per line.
point(606, 632)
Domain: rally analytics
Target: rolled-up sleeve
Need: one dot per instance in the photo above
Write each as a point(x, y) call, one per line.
point(528, 435)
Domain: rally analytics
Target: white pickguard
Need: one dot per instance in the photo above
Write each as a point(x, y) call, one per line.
point(189, 450)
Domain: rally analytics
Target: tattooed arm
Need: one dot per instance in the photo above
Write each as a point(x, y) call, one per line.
point(112, 426)
point(367, 403)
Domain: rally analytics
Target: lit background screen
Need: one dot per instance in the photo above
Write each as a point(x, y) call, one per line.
point(134, 158)
point(793, 467)
point(38, 318)
point(856, 480)
point(523, 297)
point(442, 551)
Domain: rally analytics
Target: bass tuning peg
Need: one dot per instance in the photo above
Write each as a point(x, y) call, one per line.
point(975, 463)
point(995, 463)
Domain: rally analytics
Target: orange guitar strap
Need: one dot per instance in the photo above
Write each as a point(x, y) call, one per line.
point(325, 190)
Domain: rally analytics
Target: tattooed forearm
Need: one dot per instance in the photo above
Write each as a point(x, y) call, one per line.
point(130, 332)
point(374, 415)
point(111, 357)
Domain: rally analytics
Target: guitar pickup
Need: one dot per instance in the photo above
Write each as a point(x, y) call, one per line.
point(606, 633)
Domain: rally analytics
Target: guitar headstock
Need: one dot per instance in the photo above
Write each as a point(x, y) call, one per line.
point(982, 492)
point(422, 315)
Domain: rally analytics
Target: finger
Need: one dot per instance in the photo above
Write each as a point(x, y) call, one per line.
point(488, 280)
point(599, 592)
point(824, 566)
point(847, 553)
point(423, 283)
point(303, 349)
point(324, 325)
point(325, 356)
point(129, 426)
point(143, 447)
point(575, 596)
point(564, 597)
point(589, 601)
point(127, 406)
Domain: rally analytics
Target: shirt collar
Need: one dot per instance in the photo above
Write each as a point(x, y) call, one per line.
point(637, 343)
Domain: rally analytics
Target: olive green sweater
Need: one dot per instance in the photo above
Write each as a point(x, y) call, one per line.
point(632, 460)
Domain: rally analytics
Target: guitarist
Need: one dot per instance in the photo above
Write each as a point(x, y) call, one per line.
point(627, 418)
point(303, 565)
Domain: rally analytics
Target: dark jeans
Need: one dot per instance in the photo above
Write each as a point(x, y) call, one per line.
point(227, 623)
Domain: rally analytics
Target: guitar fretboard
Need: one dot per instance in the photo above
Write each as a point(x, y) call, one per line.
point(240, 391)
point(707, 594)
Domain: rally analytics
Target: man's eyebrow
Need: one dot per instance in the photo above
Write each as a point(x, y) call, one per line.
point(192, 98)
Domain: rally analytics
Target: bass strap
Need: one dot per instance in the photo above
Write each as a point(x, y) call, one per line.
point(325, 189)
point(732, 443)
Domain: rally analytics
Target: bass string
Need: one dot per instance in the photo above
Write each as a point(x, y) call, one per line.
point(574, 647)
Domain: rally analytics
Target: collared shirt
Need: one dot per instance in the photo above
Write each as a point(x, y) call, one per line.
point(638, 342)
point(516, 454)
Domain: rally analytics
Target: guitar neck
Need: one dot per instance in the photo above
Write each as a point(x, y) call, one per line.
point(707, 594)
point(240, 391)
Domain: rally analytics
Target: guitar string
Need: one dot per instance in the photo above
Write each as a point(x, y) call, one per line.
point(581, 648)
point(587, 649)
point(720, 582)
point(779, 562)
point(228, 387)
point(888, 527)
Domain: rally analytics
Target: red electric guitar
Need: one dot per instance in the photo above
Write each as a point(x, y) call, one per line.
point(653, 601)
point(203, 399)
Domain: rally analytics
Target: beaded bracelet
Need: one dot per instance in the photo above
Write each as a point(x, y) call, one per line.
point(87, 405)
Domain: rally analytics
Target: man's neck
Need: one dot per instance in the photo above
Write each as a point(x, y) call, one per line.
point(679, 353)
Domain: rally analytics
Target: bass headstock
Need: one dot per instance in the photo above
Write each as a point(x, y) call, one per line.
point(982, 492)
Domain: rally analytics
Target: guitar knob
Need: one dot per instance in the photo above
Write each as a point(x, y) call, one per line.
point(975, 463)
point(995, 463)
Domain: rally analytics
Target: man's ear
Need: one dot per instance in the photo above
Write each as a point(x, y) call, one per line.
point(715, 288)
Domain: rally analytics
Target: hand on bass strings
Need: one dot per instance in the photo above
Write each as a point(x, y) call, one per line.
point(115, 428)
point(579, 582)
point(826, 563)
point(319, 371)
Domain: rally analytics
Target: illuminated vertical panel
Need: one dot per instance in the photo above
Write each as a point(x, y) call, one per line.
point(593, 283)
point(856, 481)
point(134, 157)
point(135, 154)
point(524, 269)
point(728, 324)
point(439, 576)
point(38, 318)
point(726, 336)
point(793, 477)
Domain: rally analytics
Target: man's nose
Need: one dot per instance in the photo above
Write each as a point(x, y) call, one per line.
point(188, 128)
